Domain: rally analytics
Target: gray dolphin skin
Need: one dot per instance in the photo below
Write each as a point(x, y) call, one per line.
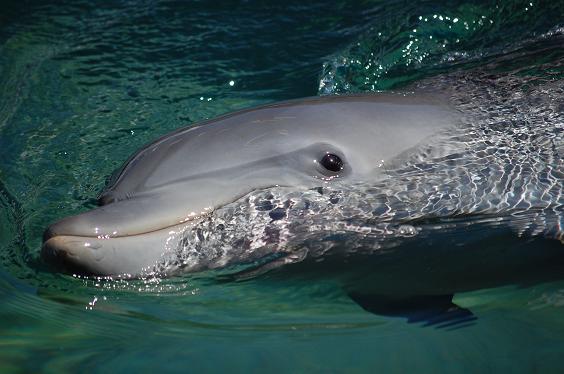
point(175, 181)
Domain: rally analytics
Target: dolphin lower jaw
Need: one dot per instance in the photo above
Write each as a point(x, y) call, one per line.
point(127, 256)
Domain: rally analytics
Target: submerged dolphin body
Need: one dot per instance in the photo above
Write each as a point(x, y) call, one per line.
point(398, 196)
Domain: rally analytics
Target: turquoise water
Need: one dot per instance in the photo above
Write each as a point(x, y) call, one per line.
point(85, 84)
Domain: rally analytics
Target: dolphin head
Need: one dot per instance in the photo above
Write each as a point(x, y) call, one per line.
point(173, 182)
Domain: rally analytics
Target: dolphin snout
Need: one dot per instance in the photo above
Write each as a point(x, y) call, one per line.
point(105, 255)
point(65, 226)
point(68, 254)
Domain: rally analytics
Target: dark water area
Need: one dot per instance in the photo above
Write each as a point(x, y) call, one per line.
point(85, 84)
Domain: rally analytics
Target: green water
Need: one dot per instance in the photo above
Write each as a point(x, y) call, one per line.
point(85, 84)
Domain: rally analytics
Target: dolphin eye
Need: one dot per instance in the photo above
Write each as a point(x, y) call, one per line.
point(332, 162)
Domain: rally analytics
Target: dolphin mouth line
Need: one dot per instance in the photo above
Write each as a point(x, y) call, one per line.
point(48, 234)
point(51, 232)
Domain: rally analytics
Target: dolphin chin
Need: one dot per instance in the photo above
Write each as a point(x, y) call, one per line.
point(112, 255)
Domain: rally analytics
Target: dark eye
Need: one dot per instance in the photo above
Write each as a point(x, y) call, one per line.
point(332, 162)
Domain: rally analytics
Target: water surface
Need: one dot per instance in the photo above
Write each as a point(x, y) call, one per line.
point(85, 84)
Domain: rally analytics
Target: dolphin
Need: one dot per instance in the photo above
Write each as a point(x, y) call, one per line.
point(176, 180)
point(373, 189)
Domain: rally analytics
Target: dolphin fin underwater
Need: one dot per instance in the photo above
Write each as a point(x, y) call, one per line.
point(435, 310)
